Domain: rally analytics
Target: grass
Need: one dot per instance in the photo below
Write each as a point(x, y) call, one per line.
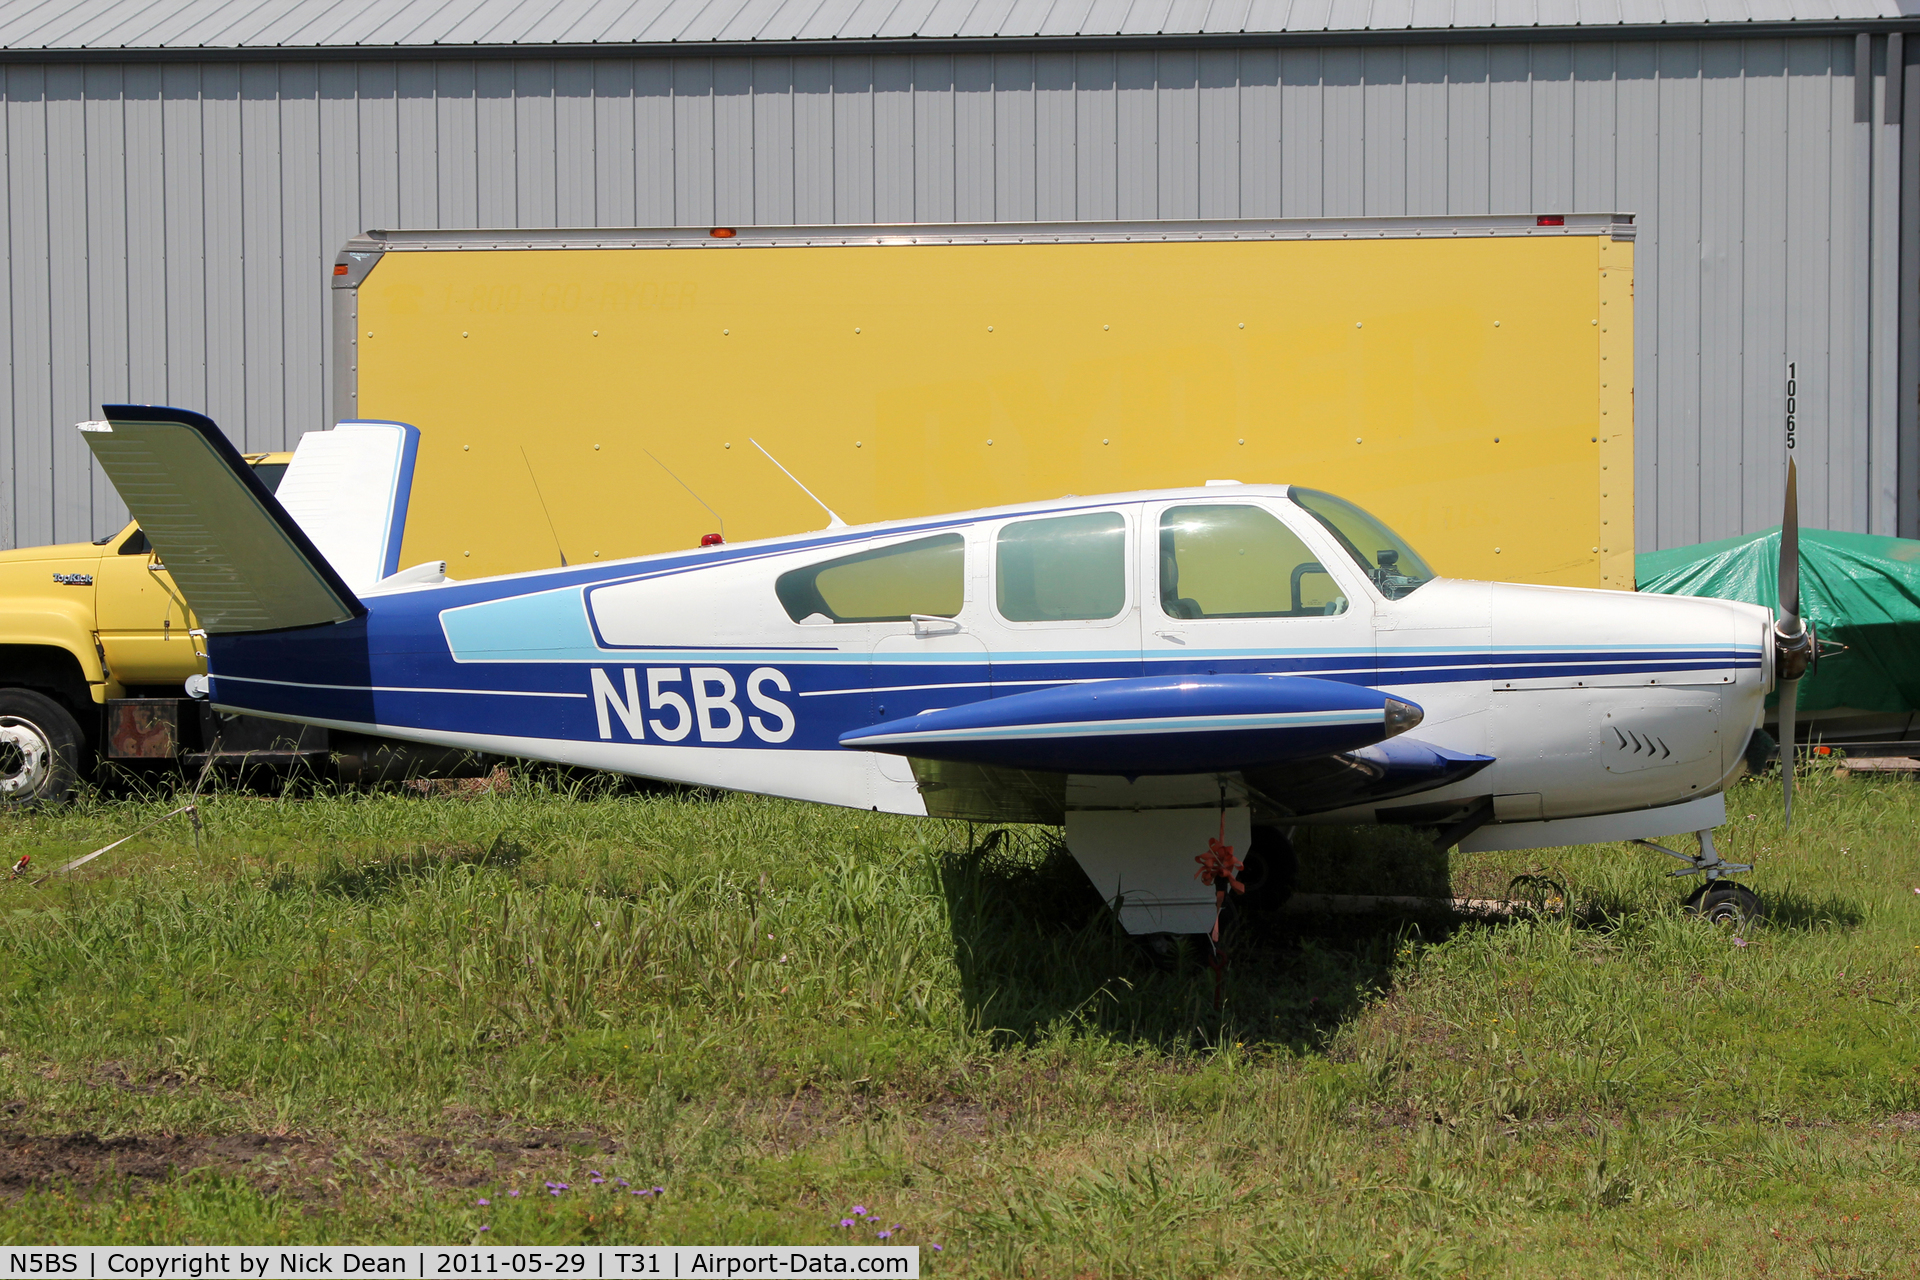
point(357, 1017)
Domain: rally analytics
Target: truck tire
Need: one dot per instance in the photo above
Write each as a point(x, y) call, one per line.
point(40, 750)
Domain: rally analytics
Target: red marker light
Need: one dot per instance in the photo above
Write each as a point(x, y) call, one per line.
point(1550, 220)
point(339, 268)
point(711, 540)
point(723, 233)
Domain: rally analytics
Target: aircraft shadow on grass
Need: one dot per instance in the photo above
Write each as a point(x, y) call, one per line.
point(1039, 956)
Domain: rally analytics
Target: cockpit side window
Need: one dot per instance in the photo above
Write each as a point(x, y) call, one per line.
point(890, 584)
point(1062, 569)
point(1229, 561)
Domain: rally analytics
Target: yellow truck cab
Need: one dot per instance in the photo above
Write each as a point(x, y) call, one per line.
point(97, 656)
point(96, 647)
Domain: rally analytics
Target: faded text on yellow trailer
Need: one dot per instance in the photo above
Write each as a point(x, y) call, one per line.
point(593, 394)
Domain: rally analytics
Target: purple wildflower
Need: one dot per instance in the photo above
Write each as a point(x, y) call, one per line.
point(846, 1222)
point(598, 1181)
point(939, 1249)
point(515, 1193)
point(659, 1191)
point(551, 1185)
point(883, 1235)
point(622, 1182)
point(483, 1202)
point(486, 1228)
point(593, 1173)
point(859, 1211)
point(1739, 942)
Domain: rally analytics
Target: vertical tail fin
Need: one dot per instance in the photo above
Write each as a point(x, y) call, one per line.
point(348, 489)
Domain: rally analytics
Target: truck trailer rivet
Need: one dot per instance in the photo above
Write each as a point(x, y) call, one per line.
point(596, 448)
point(369, 333)
point(856, 444)
point(1105, 327)
point(463, 333)
point(1243, 324)
point(989, 328)
point(725, 332)
point(1496, 551)
point(1103, 440)
point(856, 328)
point(989, 442)
point(1496, 324)
point(1356, 324)
point(1356, 439)
point(465, 448)
point(1243, 439)
point(596, 333)
point(727, 444)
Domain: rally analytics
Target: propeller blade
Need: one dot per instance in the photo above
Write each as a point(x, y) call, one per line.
point(1789, 700)
point(1790, 550)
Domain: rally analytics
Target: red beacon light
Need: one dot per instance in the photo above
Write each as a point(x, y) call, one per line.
point(711, 540)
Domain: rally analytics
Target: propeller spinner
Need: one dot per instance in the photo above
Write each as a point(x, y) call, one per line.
point(1793, 642)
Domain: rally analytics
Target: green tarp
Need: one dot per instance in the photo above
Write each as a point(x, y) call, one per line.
point(1857, 589)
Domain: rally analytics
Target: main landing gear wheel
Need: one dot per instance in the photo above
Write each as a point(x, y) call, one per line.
point(1723, 902)
point(40, 749)
point(1269, 870)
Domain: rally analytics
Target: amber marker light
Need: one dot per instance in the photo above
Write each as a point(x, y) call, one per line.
point(723, 233)
point(339, 268)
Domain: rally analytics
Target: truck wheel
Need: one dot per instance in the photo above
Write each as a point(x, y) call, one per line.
point(40, 749)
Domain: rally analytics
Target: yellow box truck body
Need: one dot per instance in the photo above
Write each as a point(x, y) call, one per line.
point(600, 394)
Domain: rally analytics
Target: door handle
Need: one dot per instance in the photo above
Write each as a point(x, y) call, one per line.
point(922, 622)
point(1173, 636)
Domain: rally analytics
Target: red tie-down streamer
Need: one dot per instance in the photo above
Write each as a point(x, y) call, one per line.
point(1219, 868)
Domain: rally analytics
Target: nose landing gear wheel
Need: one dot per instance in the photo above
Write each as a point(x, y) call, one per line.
point(40, 748)
point(1722, 902)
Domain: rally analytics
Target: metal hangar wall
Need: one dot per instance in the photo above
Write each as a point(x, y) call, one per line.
point(173, 199)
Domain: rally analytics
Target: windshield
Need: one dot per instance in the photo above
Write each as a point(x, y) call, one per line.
point(1389, 563)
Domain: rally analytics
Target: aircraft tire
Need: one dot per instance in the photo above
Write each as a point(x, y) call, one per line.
point(1723, 902)
point(1270, 870)
point(41, 747)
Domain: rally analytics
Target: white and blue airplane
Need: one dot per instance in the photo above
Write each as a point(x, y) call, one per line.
point(1149, 670)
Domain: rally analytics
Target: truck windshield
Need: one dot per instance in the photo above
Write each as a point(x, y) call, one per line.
point(1393, 566)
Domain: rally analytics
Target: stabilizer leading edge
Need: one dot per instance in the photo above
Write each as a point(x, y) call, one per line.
point(240, 560)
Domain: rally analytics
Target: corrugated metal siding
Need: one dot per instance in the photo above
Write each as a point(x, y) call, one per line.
point(290, 24)
point(169, 229)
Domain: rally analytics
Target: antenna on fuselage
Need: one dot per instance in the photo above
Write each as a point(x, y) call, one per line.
point(833, 521)
point(689, 488)
point(543, 506)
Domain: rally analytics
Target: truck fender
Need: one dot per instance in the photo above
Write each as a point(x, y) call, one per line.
point(57, 625)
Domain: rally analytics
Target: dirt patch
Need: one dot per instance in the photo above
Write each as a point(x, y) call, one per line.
point(85, 1160)
point(1904, 1120)
point(306, 1167)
